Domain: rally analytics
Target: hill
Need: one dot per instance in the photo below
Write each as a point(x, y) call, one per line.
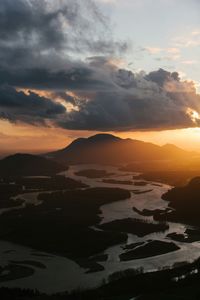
point(185, 202)
point(29, 165)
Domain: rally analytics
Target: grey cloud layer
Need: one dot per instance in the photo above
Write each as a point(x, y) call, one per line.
point(43, 44)
point(44, 33)
point(32, 109)
point(159, 100)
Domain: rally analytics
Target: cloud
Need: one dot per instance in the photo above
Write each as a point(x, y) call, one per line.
point(66, 47)
point(166, 54)
point(161, 77)
point(35, 33)
point(155, 101)
point(107, 98)
point(28, 108)
point(44, 43)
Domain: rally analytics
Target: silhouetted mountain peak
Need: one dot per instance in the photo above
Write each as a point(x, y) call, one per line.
point(103, 137)
point(98, 138)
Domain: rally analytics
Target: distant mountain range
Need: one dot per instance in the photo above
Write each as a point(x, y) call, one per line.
point(29, 165)
point(102, 149)
point(109, 149)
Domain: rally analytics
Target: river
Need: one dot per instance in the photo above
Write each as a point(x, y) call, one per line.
point(63, 274)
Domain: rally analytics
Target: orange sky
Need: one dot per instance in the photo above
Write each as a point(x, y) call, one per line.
point(24, 138)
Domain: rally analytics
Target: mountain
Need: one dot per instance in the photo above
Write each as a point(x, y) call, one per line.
point(171, 149)
point(109, 149)
point(29, 165)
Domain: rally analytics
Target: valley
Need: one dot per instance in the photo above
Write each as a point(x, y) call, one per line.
point(80, 231)
point(92, 224)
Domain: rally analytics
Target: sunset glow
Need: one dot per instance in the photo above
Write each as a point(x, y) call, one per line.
point(99, 149)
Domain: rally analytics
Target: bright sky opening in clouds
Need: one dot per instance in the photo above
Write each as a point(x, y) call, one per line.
point(71, 68)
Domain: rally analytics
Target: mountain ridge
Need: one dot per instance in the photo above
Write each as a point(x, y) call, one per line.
point(107, 148)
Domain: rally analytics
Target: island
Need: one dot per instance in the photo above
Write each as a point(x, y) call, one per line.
point(135, 226)
point(152, 248)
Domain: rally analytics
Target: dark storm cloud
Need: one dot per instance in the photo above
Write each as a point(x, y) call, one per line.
point(74, 78)
point(35, 32)
point(161, 76)
point(43, 46)
point(28, 108)
point(137, 101)
point(40, 42)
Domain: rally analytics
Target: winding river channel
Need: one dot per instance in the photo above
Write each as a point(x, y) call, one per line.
point(63, 274)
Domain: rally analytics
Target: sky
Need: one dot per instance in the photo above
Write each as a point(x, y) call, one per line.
point(71, 68)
